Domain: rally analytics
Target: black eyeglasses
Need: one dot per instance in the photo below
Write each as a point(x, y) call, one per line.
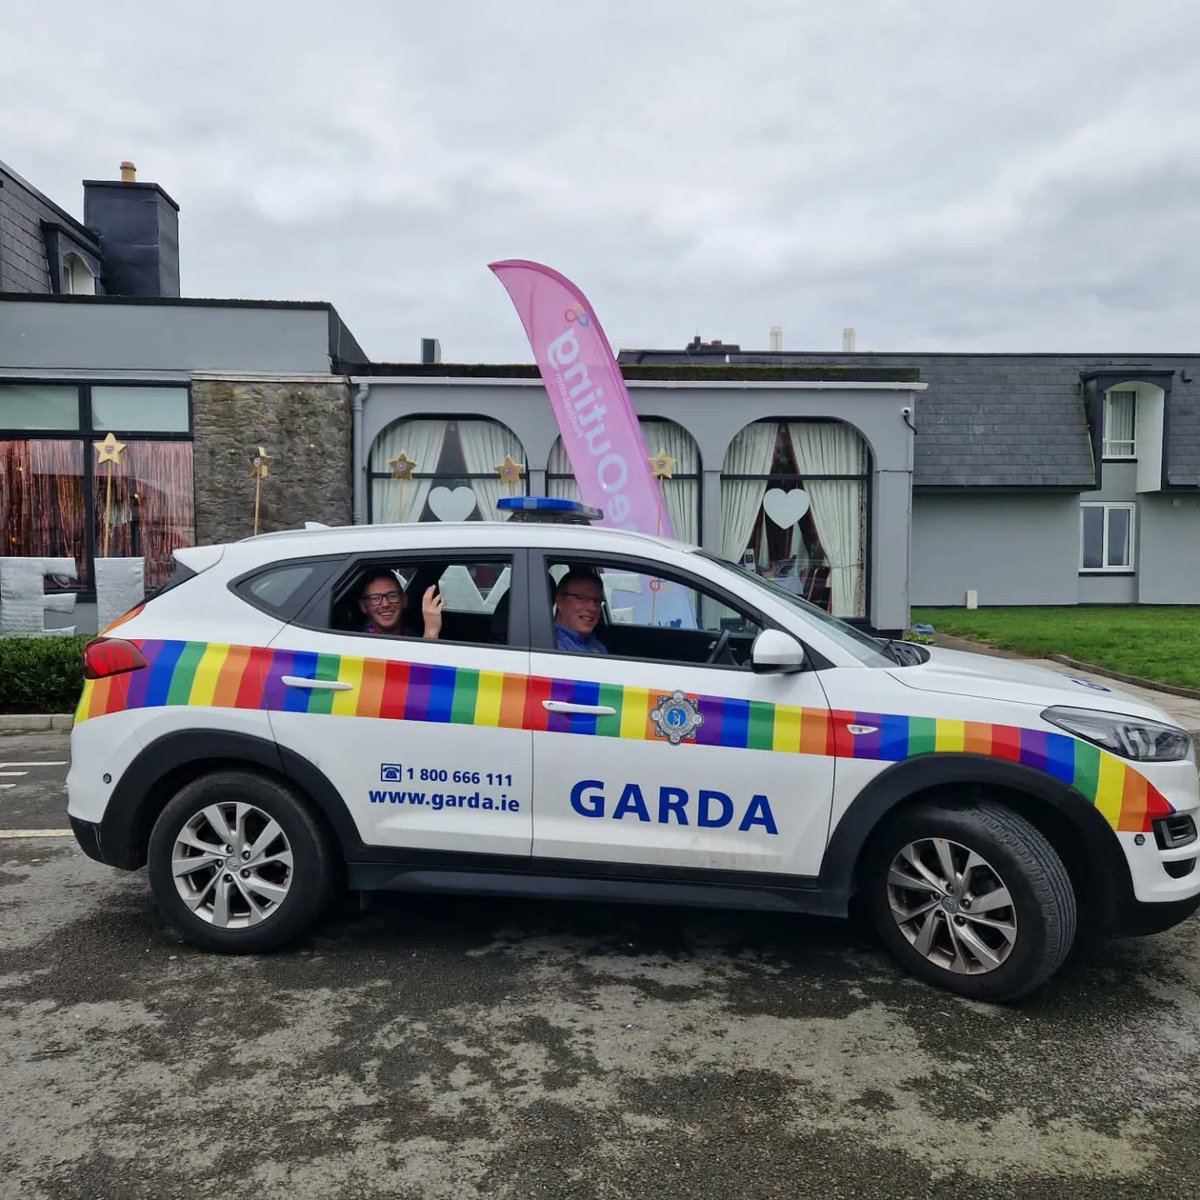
point(580, 598)
point(379, 599)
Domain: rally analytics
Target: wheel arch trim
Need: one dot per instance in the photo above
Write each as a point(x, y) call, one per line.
point(124, 829)
point(899, 783)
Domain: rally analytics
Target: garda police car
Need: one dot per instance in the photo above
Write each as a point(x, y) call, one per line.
point(533, 707)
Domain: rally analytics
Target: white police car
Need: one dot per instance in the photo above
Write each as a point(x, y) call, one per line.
point(704, 737)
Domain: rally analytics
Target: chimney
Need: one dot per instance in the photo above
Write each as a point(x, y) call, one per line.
point(776, 339)
point(848, 340)
point(431, 351)
point(138, 227)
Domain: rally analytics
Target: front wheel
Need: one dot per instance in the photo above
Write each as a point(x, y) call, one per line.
point(238, 864)
point(973, 899)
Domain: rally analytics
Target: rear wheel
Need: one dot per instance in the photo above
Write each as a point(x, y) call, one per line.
point(973, 899)
point(238, 864)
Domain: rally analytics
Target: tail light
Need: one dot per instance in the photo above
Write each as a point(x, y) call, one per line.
point(105, 656)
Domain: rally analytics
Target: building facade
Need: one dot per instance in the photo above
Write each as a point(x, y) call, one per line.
point(1040, 478)
point(189, 388)
point(803, 474)
point(862, 482)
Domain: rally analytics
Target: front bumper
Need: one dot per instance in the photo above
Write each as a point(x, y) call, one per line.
point(1135, 918)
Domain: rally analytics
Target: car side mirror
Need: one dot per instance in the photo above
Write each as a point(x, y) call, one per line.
point(775, 651)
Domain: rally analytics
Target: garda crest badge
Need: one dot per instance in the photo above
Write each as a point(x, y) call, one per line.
point(677, 718)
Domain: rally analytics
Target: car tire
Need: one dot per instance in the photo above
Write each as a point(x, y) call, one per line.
point(973, 899)
point(263, 868)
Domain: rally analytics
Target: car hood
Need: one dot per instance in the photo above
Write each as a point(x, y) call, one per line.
point(958, 673)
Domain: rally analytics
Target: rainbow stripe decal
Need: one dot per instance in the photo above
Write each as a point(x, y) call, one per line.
point(216, 676)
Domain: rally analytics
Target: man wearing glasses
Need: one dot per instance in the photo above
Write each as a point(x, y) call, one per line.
point(578, 604)
point(383, 602)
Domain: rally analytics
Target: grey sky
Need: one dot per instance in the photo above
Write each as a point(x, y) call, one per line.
point(943, 175)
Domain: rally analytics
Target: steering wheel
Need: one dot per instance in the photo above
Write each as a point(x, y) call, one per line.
point(718, 647)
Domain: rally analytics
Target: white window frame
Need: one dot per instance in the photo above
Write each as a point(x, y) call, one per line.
point(77, 277)
point(1124, 448)
point(1108, 568)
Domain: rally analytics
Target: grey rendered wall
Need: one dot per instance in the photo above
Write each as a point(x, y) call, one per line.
point(1168, 549)
point(1010, 548)
point(1118, 486)
point(95, 335)
point(714, 415)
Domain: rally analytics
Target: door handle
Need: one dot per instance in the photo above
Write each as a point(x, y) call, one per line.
point(587, 710)
point(316, 685)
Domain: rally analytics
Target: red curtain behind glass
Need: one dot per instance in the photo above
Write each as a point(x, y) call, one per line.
point(152, 512)
point(42, 502)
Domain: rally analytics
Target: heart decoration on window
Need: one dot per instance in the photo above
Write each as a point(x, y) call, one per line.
point(456, 505)
point(785, 508)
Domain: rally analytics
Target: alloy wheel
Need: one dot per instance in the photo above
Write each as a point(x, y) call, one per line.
point(232, 865)
point(952, 906)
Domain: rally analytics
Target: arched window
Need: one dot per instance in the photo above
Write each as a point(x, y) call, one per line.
point(78, 279)
point(455, 477)
point(794, 508)
point(681, 491)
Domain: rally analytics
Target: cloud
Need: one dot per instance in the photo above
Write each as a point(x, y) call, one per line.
point(942, 176)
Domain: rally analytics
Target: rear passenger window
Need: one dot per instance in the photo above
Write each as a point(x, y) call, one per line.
point(276, 590)
point(386, 597)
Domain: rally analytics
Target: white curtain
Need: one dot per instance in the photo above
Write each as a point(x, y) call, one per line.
point(1120, 407)
point(749, 453)
point(485, 445)
point(831, 448)
point(422, 441)
point(682, 495)
point(560, 464)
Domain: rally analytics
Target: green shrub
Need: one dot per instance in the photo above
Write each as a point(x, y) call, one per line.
point(41, 674)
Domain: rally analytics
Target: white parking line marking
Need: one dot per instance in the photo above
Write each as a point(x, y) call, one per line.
point(34, 833)
point(7, 774)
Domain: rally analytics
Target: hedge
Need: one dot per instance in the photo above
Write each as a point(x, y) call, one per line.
point(41, 674)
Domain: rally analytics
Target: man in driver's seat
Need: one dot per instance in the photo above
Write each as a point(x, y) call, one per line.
point(578, 606)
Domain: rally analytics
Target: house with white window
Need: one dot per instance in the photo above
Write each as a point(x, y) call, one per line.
point(1038, 478)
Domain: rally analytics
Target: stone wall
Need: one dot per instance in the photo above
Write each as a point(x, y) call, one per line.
point(304, 425)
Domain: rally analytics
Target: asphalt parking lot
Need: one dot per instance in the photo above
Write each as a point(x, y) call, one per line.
point(469, 1048)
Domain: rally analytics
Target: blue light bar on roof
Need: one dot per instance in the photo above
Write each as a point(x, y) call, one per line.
point(548, 508)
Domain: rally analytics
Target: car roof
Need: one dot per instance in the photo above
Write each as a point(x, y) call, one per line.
point(448, 535)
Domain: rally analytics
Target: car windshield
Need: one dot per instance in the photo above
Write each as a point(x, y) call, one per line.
point(864, 648)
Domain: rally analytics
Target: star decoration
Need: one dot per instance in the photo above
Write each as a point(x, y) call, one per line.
point(662, 465)
point(110, 450)
point(260, 464)
point(510, 472)
point(402, 466)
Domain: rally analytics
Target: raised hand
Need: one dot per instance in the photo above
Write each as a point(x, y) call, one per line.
point(432, 604)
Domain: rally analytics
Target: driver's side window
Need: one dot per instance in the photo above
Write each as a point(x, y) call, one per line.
point(646, 615)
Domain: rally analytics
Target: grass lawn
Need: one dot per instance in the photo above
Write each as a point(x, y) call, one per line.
point(1155, 643)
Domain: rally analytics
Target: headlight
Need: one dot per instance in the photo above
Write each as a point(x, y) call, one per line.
point(1130, 737)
